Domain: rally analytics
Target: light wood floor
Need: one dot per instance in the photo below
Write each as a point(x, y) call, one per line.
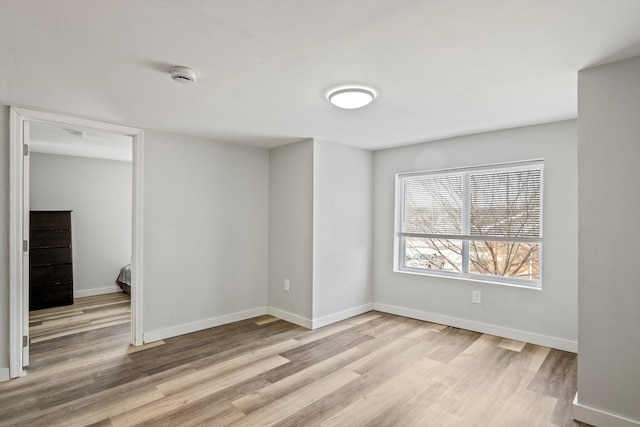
point(373, 369)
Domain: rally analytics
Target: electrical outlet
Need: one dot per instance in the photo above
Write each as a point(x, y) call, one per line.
point(476, 297)
point(286, 285)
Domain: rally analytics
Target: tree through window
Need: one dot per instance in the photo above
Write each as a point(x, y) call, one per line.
point(483, 223)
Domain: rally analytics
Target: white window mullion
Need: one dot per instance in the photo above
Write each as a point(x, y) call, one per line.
point(466, 215)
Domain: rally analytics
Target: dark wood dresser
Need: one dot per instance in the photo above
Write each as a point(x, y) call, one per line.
point(50, 259)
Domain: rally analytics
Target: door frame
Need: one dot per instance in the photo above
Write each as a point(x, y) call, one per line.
point(18, 306)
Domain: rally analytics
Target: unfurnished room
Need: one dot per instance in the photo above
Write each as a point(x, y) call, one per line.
point(303, 213)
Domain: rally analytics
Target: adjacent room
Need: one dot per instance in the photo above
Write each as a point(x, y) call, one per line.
point(320, 213)
point(84, 180)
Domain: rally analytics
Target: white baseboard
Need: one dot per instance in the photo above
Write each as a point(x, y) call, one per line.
point(341, 315)
point(96, 291)
point(290, 317)
point(597, 417)
point(4, 374)
point(485, 328)
point(212, 322)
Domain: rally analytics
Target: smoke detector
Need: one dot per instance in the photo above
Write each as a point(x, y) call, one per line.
point(74, 132)
point(183, 75)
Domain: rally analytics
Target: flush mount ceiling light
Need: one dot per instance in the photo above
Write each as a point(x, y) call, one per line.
point(183, 75)
point(351, 97)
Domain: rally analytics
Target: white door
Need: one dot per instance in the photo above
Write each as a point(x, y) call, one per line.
point(25, 238)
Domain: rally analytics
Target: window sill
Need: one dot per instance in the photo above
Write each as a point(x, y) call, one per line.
point(537, 287)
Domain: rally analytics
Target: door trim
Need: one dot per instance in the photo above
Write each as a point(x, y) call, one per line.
point(18, 116)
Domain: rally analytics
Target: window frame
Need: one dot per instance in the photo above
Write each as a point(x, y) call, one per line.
point(400, 237)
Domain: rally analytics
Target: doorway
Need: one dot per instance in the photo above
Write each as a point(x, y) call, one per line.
point(80, 184)
point(20, 138)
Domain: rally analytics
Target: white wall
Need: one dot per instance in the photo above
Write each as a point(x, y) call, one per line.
point(609, 301)
point(205, 233)
point(320, 232)
point(99, 194)
point(548, 316)
point(291, 231)
point(342, 231)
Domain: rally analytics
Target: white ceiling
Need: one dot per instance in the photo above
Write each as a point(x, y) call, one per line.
point(74, 141)
point(441, 67)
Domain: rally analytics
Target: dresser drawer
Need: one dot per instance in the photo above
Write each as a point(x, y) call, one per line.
point(50, 256)
point(51, 274)
point(52, 295)
point(50, 221)
point(49, 238)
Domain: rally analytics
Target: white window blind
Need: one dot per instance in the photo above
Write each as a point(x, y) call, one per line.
point(482, 222)
point(506, 204)
point(433, 205)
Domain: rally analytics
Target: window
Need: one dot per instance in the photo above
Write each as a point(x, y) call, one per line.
point(482, 223)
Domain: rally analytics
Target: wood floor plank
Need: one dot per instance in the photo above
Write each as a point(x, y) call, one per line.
point(494, 402)
point(450, 342)
point(53, 316)
point(363, 318)
point(262, 397)
point(387, 351)
point(532, 357)
point(200, 350)
point(220, 369)
point(144, 347)
point(386, 396)
point(370, 379)
point(324, 332)
point(200, 413)
point(89, 327)
point(308, 354)
point(93, 408)
point(213, 409)
point(557, 377)
point(87, 364)
point(291, 403)
point(20, 400)
point(57, 358)
point(556, 374)
point(196, 391)
point(267, 319)
point(466, 377)
point(462, 381)
point(372, 369)
point(512, 345)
